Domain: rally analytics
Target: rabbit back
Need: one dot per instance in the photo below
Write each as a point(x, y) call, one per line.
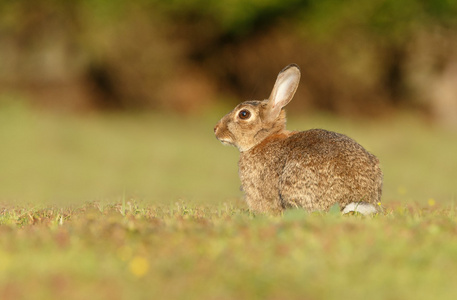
point(324, 168)
point(313, 169)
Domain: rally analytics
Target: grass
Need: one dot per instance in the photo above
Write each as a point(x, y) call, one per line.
point(160, 158)
point(223, 252)
point(147, 206)
point(163, 158)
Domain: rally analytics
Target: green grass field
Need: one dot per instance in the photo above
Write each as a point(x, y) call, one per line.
point(147, 206)
point(137, 251)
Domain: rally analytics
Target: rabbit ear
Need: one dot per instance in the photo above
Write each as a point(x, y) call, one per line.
point(283, 90)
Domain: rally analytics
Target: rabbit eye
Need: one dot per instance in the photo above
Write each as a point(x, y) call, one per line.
point(244, 114)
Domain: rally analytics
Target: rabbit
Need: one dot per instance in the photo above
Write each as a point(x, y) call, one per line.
point(313, 169)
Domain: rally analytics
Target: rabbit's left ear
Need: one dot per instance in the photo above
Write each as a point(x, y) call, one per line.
point(283, 90)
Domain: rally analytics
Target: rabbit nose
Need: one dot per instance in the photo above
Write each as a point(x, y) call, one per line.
point(216, 127)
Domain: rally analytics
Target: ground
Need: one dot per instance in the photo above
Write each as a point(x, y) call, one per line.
point(137, 251)
point(147, 206)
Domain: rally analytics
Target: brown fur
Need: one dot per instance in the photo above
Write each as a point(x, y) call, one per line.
point(311, 169)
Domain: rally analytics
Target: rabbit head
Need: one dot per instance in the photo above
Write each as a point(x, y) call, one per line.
point(251, 122)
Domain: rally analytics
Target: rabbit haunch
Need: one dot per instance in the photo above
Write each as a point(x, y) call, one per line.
point(312, 169)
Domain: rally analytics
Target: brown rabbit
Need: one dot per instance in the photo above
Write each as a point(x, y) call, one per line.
point(313, 169)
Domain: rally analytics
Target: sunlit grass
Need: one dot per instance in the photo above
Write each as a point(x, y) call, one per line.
point(160, 158)
point(137, 250)
point(128, 206)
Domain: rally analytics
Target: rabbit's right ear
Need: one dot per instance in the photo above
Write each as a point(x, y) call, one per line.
point(283, 90)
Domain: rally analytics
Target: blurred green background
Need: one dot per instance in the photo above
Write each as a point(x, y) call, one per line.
point(102, 100)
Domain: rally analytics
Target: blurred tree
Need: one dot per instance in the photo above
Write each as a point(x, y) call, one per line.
point(356, 57)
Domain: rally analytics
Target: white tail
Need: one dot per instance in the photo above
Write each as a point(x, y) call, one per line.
point(360, 207)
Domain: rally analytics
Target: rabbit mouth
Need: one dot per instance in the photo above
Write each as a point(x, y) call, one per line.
point(226, 142)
